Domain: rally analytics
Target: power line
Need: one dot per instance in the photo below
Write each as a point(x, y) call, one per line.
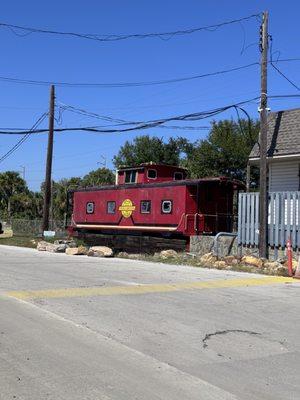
point(285, 77)
point(122, 122)
point(276, 68)
point(142, 124)
point(145, 124)
point(25, 30)
point(24, 138)
point(133, 84)
point(123, 84)
point(16, 131)
point(284, 96)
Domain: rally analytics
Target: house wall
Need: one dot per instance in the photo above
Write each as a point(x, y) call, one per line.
point(284, 175)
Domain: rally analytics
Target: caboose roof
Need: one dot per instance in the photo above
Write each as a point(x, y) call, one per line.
point(151, 165)
point(185, 182)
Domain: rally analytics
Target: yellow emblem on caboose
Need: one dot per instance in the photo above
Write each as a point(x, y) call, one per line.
point(126, 208)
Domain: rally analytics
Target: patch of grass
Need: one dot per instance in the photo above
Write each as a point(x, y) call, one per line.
point(29, 241)
point(20, 241)
point(184, 259)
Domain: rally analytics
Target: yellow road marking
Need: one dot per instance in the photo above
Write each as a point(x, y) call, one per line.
point(146, 288)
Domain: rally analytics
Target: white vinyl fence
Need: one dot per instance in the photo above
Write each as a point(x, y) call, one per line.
point(283, 219)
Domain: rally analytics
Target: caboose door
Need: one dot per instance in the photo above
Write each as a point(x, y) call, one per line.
point(208, 201)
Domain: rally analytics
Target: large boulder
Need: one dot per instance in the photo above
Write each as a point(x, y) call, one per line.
point(135, 256)
point(272, 265)
point(42, 245)
point(253, 261)
point(76, 251)
point(57, 248)
point(92, 253)
point(123, 254)
point(274, 268)
point(208, 259)
point(67, 242)
point(101, 251)
point(231, 260)
point(220, 264)
point(51, 247)
point(282, 259)
point(168, 253)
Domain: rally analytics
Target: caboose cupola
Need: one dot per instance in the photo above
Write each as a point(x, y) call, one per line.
point(149, 173)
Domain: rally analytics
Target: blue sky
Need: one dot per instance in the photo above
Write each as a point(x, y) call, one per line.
point(54, 58)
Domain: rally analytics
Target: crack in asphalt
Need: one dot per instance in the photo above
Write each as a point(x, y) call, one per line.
point(208, 336)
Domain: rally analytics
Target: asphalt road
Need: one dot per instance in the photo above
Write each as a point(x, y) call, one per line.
point(89, 328)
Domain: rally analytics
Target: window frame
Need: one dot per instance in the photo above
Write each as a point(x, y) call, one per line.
point(152, 169)
point(178, 172)
point(161, 207)
point(88, 203)
point(145, 212)
point(130, 172)
point(107, 210)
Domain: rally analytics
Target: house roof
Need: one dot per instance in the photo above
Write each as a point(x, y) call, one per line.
point(283, 134)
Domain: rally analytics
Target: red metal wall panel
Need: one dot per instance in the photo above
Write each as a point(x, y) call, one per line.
point(177, 194)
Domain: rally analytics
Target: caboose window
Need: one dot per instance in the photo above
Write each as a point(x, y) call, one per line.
point(178, 176)
point(111, 207)
point(130, 176)
point(90, 206)
point(152, 173)
point(145, 207)
point(166, 206)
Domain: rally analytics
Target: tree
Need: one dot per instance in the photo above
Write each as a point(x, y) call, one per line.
point(100, 176)
point(60, 195)
point(225, 151)
point(22, 205)
point(11, 184)
point(145, 149)
point(60, 189)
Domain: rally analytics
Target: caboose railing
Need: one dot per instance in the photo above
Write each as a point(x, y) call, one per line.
point(210, 223)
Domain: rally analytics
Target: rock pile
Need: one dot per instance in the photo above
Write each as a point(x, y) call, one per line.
point(100, 251)
point(59, 246)
point(247, 263)
point(70, 248)
point(77, 251)
point(168, 254)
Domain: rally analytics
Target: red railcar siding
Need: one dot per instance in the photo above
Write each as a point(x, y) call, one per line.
point(177, 194)
point(199, 206)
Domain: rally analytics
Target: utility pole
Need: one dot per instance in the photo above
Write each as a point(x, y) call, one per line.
point(248, 177)
point(263, 183)
point(48, 179)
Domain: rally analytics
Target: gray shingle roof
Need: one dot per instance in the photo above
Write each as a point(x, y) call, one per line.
point(283, 134)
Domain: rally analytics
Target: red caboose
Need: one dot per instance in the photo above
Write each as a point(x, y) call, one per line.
point(155, 199)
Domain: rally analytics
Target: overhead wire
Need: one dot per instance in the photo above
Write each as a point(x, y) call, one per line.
point(26, 30)
point(123, 84)
point(276, 68)
point(134, 84)
point(139, 125)
point(24, 138)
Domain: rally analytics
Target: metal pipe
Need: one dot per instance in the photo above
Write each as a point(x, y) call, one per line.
point(216, 242)
point(289, 252)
